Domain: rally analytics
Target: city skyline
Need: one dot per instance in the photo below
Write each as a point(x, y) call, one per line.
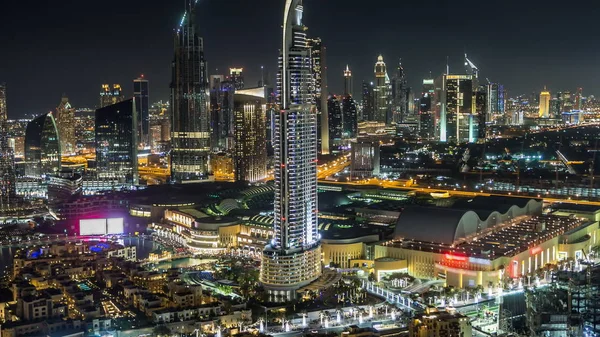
point(59, 68)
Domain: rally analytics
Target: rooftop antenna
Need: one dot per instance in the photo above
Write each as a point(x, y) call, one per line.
point(447, 67)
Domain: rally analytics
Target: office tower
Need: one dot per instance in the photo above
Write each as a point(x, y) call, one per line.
point(368, 101)
point(426, 112)
point(457, 118)
point(319, 73)
point(544, 104)
point(400, 90)
point(495, 102)
point(479, 130)
point(109, 96)
point(221, 112)
point(567, 103)
point(42, 147)
point(190, 129)
point(578, 97)
point(65, 121)
point(336, 126)
point(236, 76)
point(142, 104)
point(381, 92)
point(348, 83)
point(472, 70)
point(116, 142)
point(8, 178)
point(250, 154)
point(556, 105)
point(349, 117)
point(364, 159)
point(293, 259)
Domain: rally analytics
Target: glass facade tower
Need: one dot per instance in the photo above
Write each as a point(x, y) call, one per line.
point(190, 127)
point(293, 258)
point(42, 146)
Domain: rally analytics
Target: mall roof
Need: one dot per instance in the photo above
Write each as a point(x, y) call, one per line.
point(448, 225)
point(576, 207)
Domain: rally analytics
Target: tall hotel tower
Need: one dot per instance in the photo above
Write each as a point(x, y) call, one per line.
point(190, 134)
point(293, 258)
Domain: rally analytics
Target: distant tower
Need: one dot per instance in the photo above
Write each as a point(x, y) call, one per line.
point(349, 117)
point(319, 72)
point(236, 76)
point(190, 128)
point(544, 103)
point(65, 121)
point(400, 101)
point(8, 192)
point(334, 108)
point(368, 101)
point(578, 96)
point(142, 105)
point(348, 84)
point(116, 142)
point(250, 154)
point(42, 146)
point(381, 91)
point(293, 258)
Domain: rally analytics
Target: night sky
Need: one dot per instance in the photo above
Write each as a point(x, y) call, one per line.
point(51, 47)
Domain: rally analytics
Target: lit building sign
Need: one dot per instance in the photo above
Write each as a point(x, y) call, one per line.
point(536, 250)
point(455, 257)
point(476, 260)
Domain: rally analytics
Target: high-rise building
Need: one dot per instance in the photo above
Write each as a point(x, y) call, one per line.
point(480, 114)
point(457, 120)
point(293, 258)
point(544, 109)
point(426, 112)
point(190, 128)
point(109, 96)
point(349, 117)
point(567, 102)
point(65, 122)
point(381, 92)
point(236, 76)
point(578, 98)
point(348, 83)
point(221, 113)
point(42, 146)
point(336, 126)
point(320, 92)
point(250, 155)
point(116, 142)
point(495, 102)
point(8, 192)
point(368, 102)
point(400, 90)
point(142, 104)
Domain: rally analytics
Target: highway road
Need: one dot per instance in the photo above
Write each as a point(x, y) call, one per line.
point(403, 185)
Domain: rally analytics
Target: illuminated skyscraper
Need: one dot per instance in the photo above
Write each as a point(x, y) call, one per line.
point(348, 84)
point(400, 90)
point(116, 142)
point(495, 102)
point(250, 154)
point(293, 259)
point(578, 97)
point(381, 92)
point(221, 113)
point(368, 102)
point(142, 105)
point(109, 96)
point(426, 112)
point(42, 147)
point(334, 108)
point(7, 159)
point(544, 104)
point(349, 117)
point(65, 121)
point(190, 131)
point(320, 92)
point(457, 121)
point(236, 76)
